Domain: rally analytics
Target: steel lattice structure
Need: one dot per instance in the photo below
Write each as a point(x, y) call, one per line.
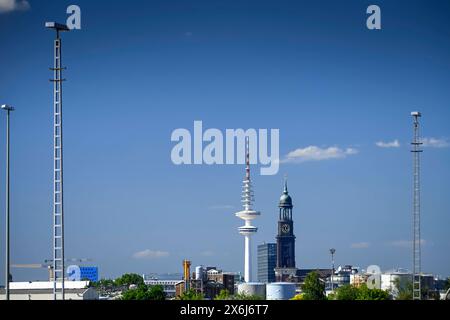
point(58, 199)
point(416, 151)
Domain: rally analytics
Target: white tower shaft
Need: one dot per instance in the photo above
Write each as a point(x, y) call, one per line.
point(248, 260)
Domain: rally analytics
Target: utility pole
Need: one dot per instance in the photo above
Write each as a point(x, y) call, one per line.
point(416, 150)
point(332, 252)
point(8, 109)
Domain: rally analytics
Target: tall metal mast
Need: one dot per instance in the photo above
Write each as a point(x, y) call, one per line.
point(8, 110)
point(332, 252)
point(58, 207)
point(416, 150)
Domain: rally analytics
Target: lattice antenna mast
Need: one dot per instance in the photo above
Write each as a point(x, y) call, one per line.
point(416, 150)
point(247, 188)
point(58, 199)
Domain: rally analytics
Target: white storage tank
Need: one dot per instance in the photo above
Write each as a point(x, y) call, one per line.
point(280, 291)
point(199, 273)
point(253, 289)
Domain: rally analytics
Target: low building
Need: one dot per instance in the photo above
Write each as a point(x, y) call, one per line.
point(223, 278)
point(43, 290)
point(170, 287)
point(341, 276)
point(358, 279)
point(302, 273)
point(393, 280)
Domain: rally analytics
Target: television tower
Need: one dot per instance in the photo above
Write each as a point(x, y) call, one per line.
point(416, 150)
point(58, 207)
point(248, 214)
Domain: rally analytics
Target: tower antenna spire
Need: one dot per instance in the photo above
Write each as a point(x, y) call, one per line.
point(247, 158)
point(285, 184)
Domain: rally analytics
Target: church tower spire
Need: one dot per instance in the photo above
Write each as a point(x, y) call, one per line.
point(285, 238)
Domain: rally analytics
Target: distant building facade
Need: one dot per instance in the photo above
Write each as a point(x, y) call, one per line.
point(89, 273)
point(342, 276)
point(170, 287)
point(267, 262)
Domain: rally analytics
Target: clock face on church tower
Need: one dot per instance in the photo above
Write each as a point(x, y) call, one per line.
point(285, 228)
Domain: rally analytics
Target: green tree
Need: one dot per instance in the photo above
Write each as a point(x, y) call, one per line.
point(347, 292)
point(128, 279)
point(364, 293)
point(350, 292)
point(144, 292)
point(223, 295)
point(404, 292)
point(156, 293)
point(102, 283)
point(313, 288)
point(191, 295)
point(243, 296)
point(104, 286)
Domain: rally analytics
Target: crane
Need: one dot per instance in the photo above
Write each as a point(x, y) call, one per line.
point(48, 264)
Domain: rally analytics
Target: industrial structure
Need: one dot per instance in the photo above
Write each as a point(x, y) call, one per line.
point(416, 150)
point(89, 273)
point(248, 214)
point(280, 291)
point(209, 281)
point(186, 273)
point(58, 198)
point(253, 289)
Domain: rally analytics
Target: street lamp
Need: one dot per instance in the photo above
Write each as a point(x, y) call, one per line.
point(8, 109)
point(332, 251)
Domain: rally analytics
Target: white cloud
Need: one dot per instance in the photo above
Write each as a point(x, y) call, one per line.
point(13, 5)
point(360, 245)
point(392, 144)
point(405, 243)
point(314, 153)
point(435, 143)
point(150, 254)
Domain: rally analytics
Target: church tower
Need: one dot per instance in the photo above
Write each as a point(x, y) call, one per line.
point(285, 239)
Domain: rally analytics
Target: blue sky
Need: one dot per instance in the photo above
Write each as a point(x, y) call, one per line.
point(140, 69)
